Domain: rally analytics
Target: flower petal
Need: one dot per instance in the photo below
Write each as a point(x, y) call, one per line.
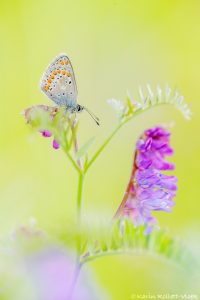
point(56, 145)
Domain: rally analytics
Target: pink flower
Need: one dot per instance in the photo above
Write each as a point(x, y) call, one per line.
point(46, 133)
point(33, 112)
point(148, 188)
point(54, 277)
point(56, 145)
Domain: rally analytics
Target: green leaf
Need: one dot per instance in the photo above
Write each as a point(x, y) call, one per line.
point(123, 237)
point(73, 134)
point(129, 104)
point(82, 150)
point(149, 97)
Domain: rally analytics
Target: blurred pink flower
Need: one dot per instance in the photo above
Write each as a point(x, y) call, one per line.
point(55, 277)
point(56, 145)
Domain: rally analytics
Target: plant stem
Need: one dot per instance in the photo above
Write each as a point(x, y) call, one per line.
point(78, 250)
point(79, 197)
point(126, 120)
point(103, 146)
point(80, 190)
point(110, 137)
point(66, 150)
point(127, 192)
point(73, 162)
point(74, 281)
point(110, 253)
point(79, 167)
point(76, 145)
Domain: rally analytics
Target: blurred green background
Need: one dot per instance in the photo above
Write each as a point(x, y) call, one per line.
point(114, 45)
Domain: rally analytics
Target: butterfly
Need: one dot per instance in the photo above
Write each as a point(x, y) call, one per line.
point(59, 84)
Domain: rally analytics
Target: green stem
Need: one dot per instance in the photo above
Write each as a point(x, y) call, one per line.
point(78, 167)
point(74, 281)
point(79, 206)
point(73, 162)
point(103, 146)
point(126, 120)
point(111, 253)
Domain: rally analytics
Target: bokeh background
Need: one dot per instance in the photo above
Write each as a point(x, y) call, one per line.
point(114, 45)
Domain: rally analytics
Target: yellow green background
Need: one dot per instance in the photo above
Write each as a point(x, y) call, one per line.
point(114, 47)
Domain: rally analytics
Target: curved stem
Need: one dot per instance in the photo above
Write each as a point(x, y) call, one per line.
point(79, 168)
point(80, 190)
point(110, 253)
point(110, 137)
point(78, 245)
point(76, 144)
point(126, 120)
point(120, 209)
point(74, 281)
point(79, 198)
point(103, 146)
point(73, 162)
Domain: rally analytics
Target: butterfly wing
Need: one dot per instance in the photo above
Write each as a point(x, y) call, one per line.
point(58, 82)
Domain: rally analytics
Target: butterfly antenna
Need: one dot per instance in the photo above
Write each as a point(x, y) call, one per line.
point(96, 119)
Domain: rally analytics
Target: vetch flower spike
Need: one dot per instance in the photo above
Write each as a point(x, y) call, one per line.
point(148, 188)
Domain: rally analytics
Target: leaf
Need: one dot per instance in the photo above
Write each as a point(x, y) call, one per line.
point(123, 237)
point(118, 106)
point(82, 150)
point(129, 104)
point(73, 134)
point(149, 97)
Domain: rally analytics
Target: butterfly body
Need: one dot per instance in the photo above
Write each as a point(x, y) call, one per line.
point(58, 83)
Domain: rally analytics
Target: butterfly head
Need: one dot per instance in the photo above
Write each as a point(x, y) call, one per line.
point(79, 108)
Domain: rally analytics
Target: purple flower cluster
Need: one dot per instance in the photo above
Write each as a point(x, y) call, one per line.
point(47, 134)
point(149, 189)
point(33, 112)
